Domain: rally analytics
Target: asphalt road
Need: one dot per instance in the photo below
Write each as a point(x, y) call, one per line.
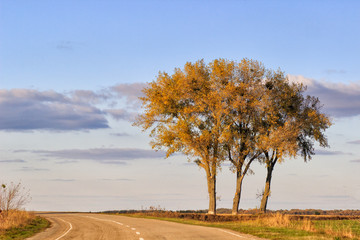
point(110, 227)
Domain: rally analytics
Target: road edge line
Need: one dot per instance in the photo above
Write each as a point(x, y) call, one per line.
point(66, 231)
point(237, 235)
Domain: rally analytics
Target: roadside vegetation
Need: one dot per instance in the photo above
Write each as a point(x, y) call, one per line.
point(274, 225)
point(20, 225)
point(16, 223)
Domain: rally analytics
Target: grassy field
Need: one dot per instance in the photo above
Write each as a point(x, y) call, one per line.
point(280, 227)
point(20, 225)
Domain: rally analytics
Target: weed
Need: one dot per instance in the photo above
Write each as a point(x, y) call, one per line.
point(14, 218)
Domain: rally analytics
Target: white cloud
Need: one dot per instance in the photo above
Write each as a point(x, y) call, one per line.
point(131, 91)
point(32, 169)
point(339, 99)
point(120, 134)
point(25, 109)
point(62, 180)
point(13, 161)
point(355, 161)
point(121, 114)
point(28, 109)
point(326, 152)
point(102, 155)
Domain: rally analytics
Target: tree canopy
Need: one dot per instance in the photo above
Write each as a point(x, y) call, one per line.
point(291, 123)
point(233, 111)
point(186, 114)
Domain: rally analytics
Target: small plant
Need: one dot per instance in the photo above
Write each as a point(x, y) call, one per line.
point(13, 196)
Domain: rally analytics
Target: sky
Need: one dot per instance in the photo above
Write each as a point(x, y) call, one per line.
point(71, 73)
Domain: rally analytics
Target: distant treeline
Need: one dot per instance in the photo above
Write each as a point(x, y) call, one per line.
point(315, 212)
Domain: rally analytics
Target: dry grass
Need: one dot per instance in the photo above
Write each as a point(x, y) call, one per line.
point(271, 226)
point(283, 221)
point(332, 228)
point(339, 230)
point(273, 220)
point(14, 218)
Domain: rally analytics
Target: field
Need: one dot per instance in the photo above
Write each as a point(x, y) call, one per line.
point(274, 225)
point(16, 224)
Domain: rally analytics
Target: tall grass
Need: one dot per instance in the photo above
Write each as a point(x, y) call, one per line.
point(14, 218)
point(277, 226)
point(283, 220)
point(339, 228)
point(336, 228)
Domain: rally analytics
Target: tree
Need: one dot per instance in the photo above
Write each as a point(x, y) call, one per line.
point(185, 112)
point(291, 124)
point(13, 197)
point(245, 92)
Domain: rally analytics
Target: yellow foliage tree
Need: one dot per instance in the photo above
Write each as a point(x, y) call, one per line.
point(291, 123)
point(245, 94)
point(185, 113)
point(231, 111)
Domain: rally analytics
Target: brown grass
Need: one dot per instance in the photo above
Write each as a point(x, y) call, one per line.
point(283, 221)
point(342, 232)
point(274, 220)
point(14, 218)
point(334, 227)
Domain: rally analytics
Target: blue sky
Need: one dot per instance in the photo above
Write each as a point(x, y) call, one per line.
point(71, 72)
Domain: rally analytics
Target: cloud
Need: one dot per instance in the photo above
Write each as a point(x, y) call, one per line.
point(24, 109)
point(122, 134)
point(103, 155)
point(31, 169)
point(121, 114)
point(118, 179)
point(326, 152)
point(67, 162)
point(354, 142)
point(131, 92)
point(128, 93)
point(29, 109)
point(112, 162)
point(62, 180)
point(339, 99)
point(355, 161)
point(86, 96)
point(13, 161)
point(334, 196)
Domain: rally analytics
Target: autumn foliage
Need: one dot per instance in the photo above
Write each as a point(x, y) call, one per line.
point(230, 111)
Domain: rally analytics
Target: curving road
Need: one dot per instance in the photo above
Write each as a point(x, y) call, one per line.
point(112, 227)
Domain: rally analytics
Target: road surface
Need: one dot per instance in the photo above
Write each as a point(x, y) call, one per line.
point(113, 227)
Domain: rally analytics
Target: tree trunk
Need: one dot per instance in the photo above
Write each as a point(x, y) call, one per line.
point(265, 197)
point(211, 181)
point(236, 200)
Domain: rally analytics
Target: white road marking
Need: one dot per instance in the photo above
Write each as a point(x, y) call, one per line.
point(66, 231)
point(106, 220)
point(112, 221)
point(237, 235)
